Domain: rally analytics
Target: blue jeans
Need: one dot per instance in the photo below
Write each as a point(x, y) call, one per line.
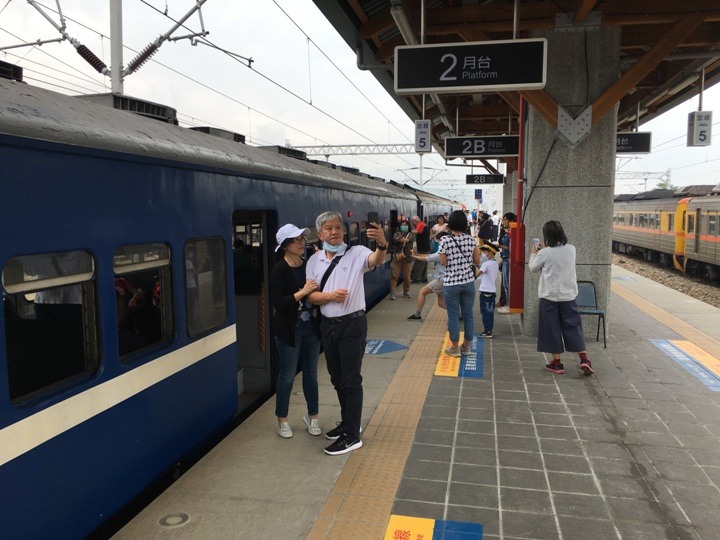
point(459, 299)
point(487, 310)
point(506, 280)
point(305, 353)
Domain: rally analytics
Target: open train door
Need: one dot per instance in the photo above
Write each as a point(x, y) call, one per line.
point(251, 264)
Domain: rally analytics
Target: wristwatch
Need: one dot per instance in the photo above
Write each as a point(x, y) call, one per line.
point(382, 248)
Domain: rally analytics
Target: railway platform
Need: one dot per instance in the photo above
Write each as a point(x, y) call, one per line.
point(505, 449)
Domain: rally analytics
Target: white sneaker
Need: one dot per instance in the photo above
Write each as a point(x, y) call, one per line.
point(503, 309)
point(284, 430)
point(312, 425)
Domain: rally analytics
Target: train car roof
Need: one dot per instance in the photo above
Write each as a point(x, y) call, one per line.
point(36, 113)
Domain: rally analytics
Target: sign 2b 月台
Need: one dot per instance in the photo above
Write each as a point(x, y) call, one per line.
point(471, 67)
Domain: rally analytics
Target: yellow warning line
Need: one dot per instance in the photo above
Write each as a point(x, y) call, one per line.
point(361, 500)
point(711, 363)
point(692, 334)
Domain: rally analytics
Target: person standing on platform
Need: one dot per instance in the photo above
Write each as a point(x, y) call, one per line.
point(422, 243)
point(505, 261)
point(297, 334)
point(458, 252)
point(484, 228)
point(440, 226)
point(560, 325)
point(401, 263)
point(495, 225)
point(341, 296)
point(435, 286)
point(488, 275)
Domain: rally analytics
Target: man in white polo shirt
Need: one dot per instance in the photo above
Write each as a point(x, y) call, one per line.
point(341, 298)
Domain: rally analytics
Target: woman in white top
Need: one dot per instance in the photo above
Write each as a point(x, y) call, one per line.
point(560, 326)
point(458, 251)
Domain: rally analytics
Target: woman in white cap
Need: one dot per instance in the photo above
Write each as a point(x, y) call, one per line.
point(296, 330)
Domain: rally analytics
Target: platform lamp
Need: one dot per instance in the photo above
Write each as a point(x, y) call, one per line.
point(401, 20)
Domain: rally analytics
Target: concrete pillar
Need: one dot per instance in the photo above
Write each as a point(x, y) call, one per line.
point(574, 186)
point(509, 194)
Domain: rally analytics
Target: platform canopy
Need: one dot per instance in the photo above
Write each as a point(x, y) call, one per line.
point(665, 46)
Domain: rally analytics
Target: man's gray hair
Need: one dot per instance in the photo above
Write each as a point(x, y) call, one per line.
point(323, 218)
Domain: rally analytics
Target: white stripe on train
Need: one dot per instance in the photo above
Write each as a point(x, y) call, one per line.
point(23, 436)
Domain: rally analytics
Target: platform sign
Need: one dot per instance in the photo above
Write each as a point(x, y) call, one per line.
point(699, 128)
point(422, 136)
point(482, 147)
point(633, 142)
point(485, 179)
point(481, 66)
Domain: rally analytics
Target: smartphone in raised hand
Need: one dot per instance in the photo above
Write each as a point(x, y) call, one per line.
point(373, 217)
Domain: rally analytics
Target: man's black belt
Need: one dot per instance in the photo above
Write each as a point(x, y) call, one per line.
point(344, 318)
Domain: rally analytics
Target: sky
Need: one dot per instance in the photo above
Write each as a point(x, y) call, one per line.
point(304, 87)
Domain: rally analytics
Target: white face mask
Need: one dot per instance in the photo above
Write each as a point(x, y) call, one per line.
point(331, 248)
point(483, 258)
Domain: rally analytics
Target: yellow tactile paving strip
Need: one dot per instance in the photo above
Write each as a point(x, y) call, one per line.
point(692, 334)
point(360, 503)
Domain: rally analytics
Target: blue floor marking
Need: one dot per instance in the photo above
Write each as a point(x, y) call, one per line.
point(697, 370)
point(382, 346)
point(457, 530)
point(471, 365)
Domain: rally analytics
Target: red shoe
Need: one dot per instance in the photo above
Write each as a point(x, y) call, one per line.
point(586, 366)
point(555, 367)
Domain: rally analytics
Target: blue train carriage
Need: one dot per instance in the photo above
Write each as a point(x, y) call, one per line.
point(429, 205)
point(136, 321)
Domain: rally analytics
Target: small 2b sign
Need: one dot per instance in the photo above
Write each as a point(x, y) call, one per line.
point(699, 128)
point(422, 137)
point(485, 179)
point(482, 147)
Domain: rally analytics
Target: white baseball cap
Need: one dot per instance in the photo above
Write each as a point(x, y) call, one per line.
point(289, 231)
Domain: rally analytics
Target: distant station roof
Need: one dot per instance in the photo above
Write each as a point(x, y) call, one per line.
point(665, 45)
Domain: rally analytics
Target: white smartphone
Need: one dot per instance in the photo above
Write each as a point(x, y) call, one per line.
point(536, 243)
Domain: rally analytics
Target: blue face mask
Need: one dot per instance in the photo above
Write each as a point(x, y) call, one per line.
point(330, 248)
point(483, 257)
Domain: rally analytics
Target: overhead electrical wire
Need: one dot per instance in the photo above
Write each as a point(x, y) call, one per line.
point(206, 41)
point(237, 57)
point(310, 40)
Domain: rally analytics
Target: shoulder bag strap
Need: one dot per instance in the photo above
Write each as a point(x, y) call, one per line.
point(330, 269)
point(471, 263)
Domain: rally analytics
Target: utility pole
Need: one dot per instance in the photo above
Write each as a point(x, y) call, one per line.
point(116, 47)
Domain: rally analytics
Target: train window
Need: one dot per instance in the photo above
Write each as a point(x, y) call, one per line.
point(248, 235)
point(691, 223)
point(206, 292)
point(346, 236)
point(50, 321)
point(353, 234)
point(712, 225)
point(671, 222)
point(143, 296)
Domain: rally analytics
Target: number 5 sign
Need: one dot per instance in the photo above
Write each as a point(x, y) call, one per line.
point(699, 128)
point(422, 136)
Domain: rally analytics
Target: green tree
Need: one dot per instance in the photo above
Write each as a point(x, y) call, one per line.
point(666, 184)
